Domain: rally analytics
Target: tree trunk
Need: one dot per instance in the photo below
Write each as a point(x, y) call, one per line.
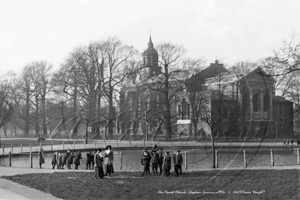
point(213, 151)
point(27, 113)
point(110, 113)
point(44, 125)
point(37, 128)
point(75, 130)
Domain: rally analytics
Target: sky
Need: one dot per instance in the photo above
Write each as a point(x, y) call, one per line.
point(229, 30)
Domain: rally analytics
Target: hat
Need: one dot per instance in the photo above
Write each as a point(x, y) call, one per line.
point(178, 150)
point(108, 146)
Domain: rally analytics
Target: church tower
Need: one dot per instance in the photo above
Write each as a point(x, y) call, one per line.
point(150, 56)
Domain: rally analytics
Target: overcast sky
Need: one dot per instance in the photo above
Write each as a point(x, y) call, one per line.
point(230, 30)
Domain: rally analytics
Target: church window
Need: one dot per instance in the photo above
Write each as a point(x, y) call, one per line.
point(185, 109)
point(280, 115)
point(256, 102)
point(266, 103)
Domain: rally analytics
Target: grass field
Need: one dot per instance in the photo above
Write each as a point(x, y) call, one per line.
point(229, 184)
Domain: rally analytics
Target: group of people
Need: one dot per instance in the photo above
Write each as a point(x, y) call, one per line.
point(102, 163)
point(68, 159)
point(157, 159)
point(60, 160)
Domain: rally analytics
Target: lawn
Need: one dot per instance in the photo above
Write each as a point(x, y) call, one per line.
point(228, 184)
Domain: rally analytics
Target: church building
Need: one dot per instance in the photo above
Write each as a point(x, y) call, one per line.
point(232, 105)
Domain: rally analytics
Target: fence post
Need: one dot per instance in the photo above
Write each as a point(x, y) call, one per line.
point(3, 149)
point(121, 159)
point(40, 145)
point(11, 148)
point(21, 148)
point(74, 144)
point(272, 158)
point(84, 145)
point(185, 161)
point(63, 144)
point(117, 143)
point(245, 159)
point(216, 154)
point(298, 157)
point(30, 156)
point(9, 158)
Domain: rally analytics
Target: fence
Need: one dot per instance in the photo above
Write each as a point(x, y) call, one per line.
point(192, 159)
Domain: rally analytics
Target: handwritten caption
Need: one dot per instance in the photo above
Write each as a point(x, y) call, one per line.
point(219, 192)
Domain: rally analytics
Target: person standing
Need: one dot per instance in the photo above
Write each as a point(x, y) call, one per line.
point(77, 159)
point(167, 164)
point(41, 157)
point(145, 161)
point(70, 160)
point(160, 160)
point(64, 158)
point(98, 160)
point(154, 162)
point(89, 158)
point(54, 159)
point(60, 161)
point(178, 160)
point(108, 161)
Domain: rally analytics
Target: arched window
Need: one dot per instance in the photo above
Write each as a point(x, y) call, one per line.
point(256, 102)
point(266, 103)
point(185, 109)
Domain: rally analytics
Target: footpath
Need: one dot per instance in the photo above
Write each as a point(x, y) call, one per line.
point(10, 190)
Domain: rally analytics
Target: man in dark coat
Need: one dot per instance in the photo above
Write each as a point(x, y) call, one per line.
point(145, 160)
point(160, 160)
point(70, 160)
point(167, 164)
point(77, 159)
point(98, 159)
point(64, 158)
point(54, 159)
point(89, 160)
point(178, 160)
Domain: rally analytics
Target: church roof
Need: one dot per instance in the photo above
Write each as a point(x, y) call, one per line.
point(258, 74)
point(150, 49)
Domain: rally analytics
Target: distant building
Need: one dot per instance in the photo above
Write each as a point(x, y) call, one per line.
point(240, 106)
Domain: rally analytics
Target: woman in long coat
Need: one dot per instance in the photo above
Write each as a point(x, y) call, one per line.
point(41, 157)
point(167, 164)
point(108, 161)
point(98, 160)
point(77, 159)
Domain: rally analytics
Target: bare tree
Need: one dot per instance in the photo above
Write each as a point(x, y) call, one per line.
point(6, 105)
point(168, 83)
point(116, 57)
